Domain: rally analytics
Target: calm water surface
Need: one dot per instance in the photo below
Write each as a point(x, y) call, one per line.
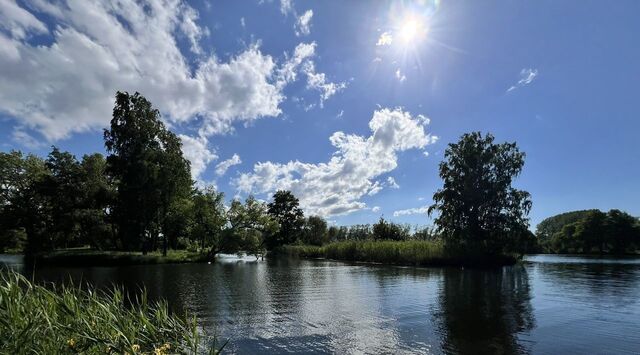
point(547, 305)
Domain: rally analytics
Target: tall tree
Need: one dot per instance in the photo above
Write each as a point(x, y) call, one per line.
point(149, 170)
point(208, 220)
point(315, 231)
point(478, 209)
point(286, 211)
point(250, 225)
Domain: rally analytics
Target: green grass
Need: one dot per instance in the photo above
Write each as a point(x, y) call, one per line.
point(415, 252)
point(89, 257)
point(67, 320)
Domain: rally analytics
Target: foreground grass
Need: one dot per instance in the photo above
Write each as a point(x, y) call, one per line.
point(67, 320)
point(415, 252)
point(89, 257)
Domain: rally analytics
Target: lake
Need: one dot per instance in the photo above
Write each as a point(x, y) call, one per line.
point(546, 305)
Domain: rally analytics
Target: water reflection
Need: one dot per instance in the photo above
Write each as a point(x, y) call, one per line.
point(302, 306)
point(484, 311)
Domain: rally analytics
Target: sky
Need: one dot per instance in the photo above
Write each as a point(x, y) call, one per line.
point(349, 104)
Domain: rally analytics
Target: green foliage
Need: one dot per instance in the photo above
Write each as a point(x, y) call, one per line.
point(148, 168)
point(590, 231)
point(208, 219)
point(284, 208)
point(411, 252)
point(67, 320)
point(384, 230)
point(314, 231)
point(250, 225)
point(477, 207)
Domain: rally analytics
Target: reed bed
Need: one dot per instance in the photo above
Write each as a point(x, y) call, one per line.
point(411, 252)
point(35, 319)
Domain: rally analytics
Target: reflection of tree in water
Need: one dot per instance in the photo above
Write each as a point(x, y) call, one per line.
point(483, 311)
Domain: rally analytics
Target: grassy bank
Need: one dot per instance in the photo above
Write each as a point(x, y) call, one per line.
point(89, 257)
point(67, 320)
point(417, 253)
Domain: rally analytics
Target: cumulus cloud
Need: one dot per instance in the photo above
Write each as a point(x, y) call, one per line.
point(375, 209)
point(411, 211)
point(196, 150)
point(224, 165)
point(401, 77)
point(99, 47)
point(526, 77)
point(302, 26)
point(335, 187)
point(385, 39)
point(302, 61)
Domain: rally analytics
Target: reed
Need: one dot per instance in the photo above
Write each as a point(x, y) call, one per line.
point(411, 252)
point(66, 320)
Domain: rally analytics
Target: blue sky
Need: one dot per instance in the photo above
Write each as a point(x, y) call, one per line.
point(341, 101)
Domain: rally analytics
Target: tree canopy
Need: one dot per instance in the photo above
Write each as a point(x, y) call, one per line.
point(477, 208)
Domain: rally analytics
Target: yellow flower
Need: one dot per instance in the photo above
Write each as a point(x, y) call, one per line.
point(135, 348)
point(71, 342)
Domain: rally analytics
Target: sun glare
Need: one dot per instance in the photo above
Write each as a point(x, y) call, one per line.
point(411, 29)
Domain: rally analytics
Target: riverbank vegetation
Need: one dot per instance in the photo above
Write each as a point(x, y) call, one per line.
point(409, 252)
point(590, 232)
point(68, 320)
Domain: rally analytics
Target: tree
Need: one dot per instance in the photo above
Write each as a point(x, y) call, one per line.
point(315, 231)
point(384, 230)
point(284, 209)
point(478, 209)
point(250, 225)
point(209, 219)
point(96, 195)
point(149, 170)
point(22, 204)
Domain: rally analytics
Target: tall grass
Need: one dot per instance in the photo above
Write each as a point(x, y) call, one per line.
point(412, 252)
point(67, 320)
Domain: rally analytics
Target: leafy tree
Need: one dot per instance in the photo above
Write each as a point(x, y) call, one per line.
point(149, 170)
point(250, 225)
point(96, 195)
point(208, 220)
point(553, 225)
point(284, 209)
point(21, 201)
point(622, 232)
point(477, 207)
point(314, 231)
point(389, 231)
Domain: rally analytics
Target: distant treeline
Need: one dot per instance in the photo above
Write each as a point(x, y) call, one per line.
point(590, 232)
point(140, 197)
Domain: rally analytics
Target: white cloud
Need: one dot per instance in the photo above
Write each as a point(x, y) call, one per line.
point(196, 150)
point(224, 165)
point(411, 211)
point(400, 76)
point(391, 182)
point(99, 47)
point(243, 23)
point(26, 139)
point(302, 26)
point(526, 77)
point(335, 187)
point(301, 61)
point(286, 6)
point(340, 114)
point(385, 39)
point(375, 209)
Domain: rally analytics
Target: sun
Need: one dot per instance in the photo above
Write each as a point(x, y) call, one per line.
point(411, 29)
